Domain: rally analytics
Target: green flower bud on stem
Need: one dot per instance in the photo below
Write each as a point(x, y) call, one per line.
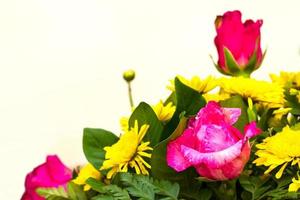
point(129, 75)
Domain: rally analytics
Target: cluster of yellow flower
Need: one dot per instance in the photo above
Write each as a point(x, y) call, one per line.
point(274, 151)
point(129, 151)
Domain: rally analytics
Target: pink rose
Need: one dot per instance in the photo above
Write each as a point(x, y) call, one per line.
point(241, 40)
point(52, 173)
point(212, 144)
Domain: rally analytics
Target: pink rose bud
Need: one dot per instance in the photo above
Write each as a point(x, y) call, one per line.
point(52, 173)
point(238, 44)
point(212, 145)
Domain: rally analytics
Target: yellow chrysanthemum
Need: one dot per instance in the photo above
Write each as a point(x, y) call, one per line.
point(279, 150)
point(88, 171)
point(287, 78)
point(196, 83)
point(268, 94)
point(128, 152)
point(164, 113)
point(295, 185)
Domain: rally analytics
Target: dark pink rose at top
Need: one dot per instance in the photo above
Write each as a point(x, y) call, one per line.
point(212, 145)
point(52, 173)
point(242, 40)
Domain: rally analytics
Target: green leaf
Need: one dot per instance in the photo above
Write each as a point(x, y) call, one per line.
point(231, 63)
point(160, 169)
point(197, 193)
point(237, 102)
point(218, 67)
point(188, 100)
point(94, 140)
point(116, 192)
point(167, 188)
point(108, 191)
point(265, 116)
point(103, 197)
point(53, 193)
point(159, 166)
point(255, 185)
point(171, 98)
point(144, 114)
point(144, 187)
point(95, 185)
point(75, 192)
point(281, 190)
point(250, 67)
point(138, 186)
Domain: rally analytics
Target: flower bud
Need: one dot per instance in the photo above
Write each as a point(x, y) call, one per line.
point(238, 44)
point(129, 75)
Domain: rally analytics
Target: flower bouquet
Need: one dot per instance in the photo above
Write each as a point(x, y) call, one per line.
point(215, 138)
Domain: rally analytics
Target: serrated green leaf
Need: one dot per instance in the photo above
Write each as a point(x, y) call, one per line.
point(144, 187)
point(94, 140)
point(53, 193)
point(138, 186)
point(144, 114)
point(103, 197)
point(255, 185)
point(108, 191)
point(281, 190)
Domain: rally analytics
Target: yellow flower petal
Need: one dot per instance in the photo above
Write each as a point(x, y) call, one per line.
point(295, 185)
point(88, 171)
point(279, 173)
point(164, 113)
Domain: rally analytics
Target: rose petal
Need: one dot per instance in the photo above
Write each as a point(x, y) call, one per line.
point(212, 113)
point(175, 158)
point(232, 114)
point(59, 172)
point(213, 159)
point(251, 130)
point(212, 138)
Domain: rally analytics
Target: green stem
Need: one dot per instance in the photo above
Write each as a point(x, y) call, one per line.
point(130, 96)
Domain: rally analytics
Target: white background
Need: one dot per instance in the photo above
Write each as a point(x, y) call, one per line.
point(61, 64)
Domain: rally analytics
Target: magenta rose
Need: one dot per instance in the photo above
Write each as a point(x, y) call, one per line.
point(238, 44)
point(212, 145)
point(52, 173)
